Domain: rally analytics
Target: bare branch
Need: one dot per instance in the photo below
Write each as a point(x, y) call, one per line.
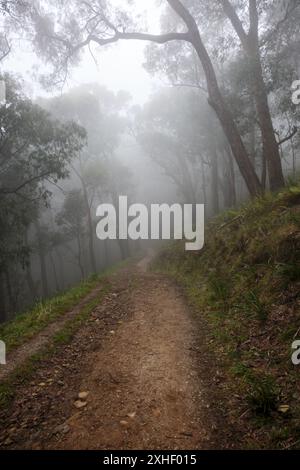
point(254, 19)
point(159, 39)
point(25, 183)
point(289, 136)
point(7, 52)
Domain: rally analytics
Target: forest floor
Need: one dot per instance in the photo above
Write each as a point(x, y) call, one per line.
point(134, 376)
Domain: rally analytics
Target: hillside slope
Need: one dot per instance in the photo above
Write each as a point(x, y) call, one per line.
point(245, 286)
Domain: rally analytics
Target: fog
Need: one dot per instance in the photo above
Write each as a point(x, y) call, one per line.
point(92, 113)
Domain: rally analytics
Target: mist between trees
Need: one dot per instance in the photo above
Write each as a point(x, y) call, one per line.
point(221, 129)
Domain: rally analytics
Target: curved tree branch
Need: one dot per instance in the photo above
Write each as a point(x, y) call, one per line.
point(157, 38)
point(288, 137)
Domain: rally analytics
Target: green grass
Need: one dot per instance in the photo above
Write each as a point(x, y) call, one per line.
point(30, 323)
point(66, 334)
point(263, 395)
point(26, 325)
point(24, 372)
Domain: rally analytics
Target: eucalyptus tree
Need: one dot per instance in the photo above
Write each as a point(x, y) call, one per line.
point(259, 44)
point(61, 30)
point(249, 37)
point(99, 112)
point(71, 219)
point(35, 153)
point(180, 133)
point(169, 128)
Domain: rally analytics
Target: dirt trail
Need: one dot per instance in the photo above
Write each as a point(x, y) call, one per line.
point(17, 357)
point(139, 362)
point(143, 388)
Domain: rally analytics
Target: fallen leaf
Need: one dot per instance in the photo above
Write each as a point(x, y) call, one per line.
point(283, 408)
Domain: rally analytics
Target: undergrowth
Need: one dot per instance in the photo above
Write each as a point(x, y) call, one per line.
point(245, 283)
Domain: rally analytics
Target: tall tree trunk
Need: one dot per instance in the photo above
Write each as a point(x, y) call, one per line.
point(28, 273)
point(79, 257)
point(252, 134)
point(293, 157)
point(271, 152)
point(124, 248)
point(30, 281)
point(90, 229)
point(54, 272)
point(188, 184)
point(203, 181)
point(93, 263)
point(264, 171)
point(225, 117)
point(3, 312)
point(106, 253)
point(250, 44)
point(218, 103)
point(42, 258)
point(44, 275)
point(61, 268)
point(231, 197)
point(10, 292)
point(123, 244)
point(230, 129)
point(215, 182)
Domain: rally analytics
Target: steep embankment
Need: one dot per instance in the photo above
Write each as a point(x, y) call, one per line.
point(245, 285)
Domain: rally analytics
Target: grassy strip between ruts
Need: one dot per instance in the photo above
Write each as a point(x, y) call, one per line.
point(24, 372)
point(28, 324)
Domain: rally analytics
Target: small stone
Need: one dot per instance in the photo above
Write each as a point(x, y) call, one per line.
point(132, 415)
point(62, 429)
point(83, 395)
point(80, 404)
point(124, 423)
